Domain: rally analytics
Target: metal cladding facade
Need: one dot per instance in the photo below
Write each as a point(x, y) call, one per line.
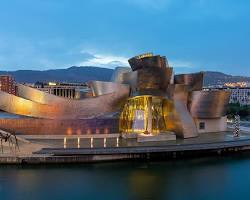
point(178, 92)
point(101, 88)
point(181, 122)
point(208, 104)
point(151, 79)
point(17, 105)
point(194, 81)
point(147, 98)
point(150, 76)
point(62, 108)
point(38, 96)
point(118, 75)
point(148, 60)
point(152, 92)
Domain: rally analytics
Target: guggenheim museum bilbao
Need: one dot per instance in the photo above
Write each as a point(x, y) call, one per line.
point(144, 100)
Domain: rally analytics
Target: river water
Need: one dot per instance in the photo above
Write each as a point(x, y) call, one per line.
point(217, 178)
point(221, 178)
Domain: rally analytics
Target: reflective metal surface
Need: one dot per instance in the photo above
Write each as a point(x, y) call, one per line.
point(194, 81)
point(150, 61)
point(101, 88)
point(17, 105)
point(38, 96)
point(179, 119)
point(149, 79)
point(154, 78)
point(131, 78)
point(178, 92)
point(154, 102)
point(61, 108)
point(118, 75)
point(183, 123)
point(208, 104)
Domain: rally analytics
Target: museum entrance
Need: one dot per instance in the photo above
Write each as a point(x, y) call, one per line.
point(144, 115)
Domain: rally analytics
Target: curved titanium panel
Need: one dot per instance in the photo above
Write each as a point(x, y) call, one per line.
point(182, 122)
point(154, 78)
point(209, 104)
point(60, 108)
point(17, 105)
point(101, 88)
point(178, 92)
point(131, 78)
point(118, 75)
point(149, 79)
point(194, 81)
point(145, 62)
point(38, 96)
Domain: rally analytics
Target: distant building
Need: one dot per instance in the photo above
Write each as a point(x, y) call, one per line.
point(7, 84)
point(66, 90)
point(237, 84)
point(239, 95)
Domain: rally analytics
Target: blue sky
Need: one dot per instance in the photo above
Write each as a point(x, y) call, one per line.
point(195, 35)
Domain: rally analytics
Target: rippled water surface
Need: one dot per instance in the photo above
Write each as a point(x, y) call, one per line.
point(201, 179)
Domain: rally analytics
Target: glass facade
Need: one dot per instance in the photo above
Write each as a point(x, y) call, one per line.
point(145, 114)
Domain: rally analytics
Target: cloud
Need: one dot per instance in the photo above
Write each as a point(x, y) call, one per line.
point(181, 64)
point(103, 60)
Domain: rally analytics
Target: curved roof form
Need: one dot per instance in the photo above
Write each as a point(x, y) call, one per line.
point(101, 87)
point(209, 104)
point(38, 96)
point(17, 105)
point(35, 103)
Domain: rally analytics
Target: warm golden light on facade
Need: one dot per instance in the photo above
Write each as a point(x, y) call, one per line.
point(144, 114)
point(106, 131)
point(97, 131)
point(145, 55)
point(78, 132)
point(69, 131)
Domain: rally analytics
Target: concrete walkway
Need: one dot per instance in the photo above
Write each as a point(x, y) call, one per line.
point(55, 150)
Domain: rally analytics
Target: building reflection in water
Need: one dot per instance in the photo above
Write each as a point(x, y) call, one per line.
point(176, 180)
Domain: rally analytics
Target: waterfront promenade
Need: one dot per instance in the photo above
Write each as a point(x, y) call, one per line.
point(84, 149)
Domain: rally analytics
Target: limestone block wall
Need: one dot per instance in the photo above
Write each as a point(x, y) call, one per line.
point(212, 125)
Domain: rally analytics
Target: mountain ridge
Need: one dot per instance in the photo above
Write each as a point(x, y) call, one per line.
point(88, 73)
